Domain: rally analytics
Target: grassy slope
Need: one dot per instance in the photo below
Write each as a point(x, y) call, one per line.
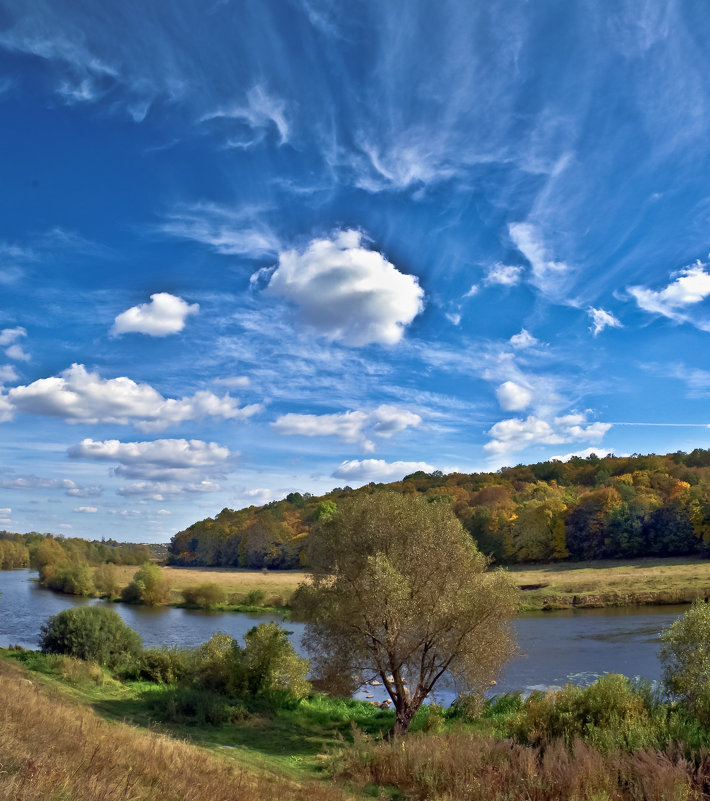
point(289, 743)
point(53, 749)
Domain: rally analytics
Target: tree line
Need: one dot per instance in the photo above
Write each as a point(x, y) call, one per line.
point(615, 507)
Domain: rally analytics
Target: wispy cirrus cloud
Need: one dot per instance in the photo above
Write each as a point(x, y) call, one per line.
point(230, 232)
point(13, 481)
point(246, 124)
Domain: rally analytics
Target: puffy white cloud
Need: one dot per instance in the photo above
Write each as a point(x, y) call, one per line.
point(513, 397)
point(366, 470)
point(602, 319)
point(161, 459)
point(163, 512)
point(474, 290)
point(86, 509)
point(164, 315)
point(690, 286)
point(547, 274)
point(384, 421)
point(79, 396)
point(346, 292)
point(523, 340)
point(503, 274)
point(516, 434)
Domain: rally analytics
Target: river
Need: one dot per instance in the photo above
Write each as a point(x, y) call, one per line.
point(571, 645)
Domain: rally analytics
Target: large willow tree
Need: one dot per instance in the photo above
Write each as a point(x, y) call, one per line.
point(399, 590)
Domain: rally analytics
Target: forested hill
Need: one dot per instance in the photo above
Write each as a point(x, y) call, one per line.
point(586, 508)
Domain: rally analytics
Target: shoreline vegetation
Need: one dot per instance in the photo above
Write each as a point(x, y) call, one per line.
point(167, 725)
point(555, 586)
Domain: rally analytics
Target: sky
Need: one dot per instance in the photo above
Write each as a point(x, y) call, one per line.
point(252, 247)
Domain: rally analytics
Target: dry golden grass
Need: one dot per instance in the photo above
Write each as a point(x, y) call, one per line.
point(610, 582)
point(281, 583)
point(52, 749)
point(462, 766)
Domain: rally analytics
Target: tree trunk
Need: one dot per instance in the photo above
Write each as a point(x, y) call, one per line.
point(402, 721)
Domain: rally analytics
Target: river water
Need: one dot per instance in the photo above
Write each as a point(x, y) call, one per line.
point(572, 645)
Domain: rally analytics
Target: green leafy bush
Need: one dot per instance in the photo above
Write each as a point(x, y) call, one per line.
point(149, 587)
point(70, 579)
point(106, 580)
point(93, 633)
point(685, 656)
point(204, 596)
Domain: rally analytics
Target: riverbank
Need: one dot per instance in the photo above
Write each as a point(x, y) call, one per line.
point(611, 583)
point(70, 730)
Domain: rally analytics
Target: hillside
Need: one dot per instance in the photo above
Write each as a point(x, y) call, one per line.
point(582, 509)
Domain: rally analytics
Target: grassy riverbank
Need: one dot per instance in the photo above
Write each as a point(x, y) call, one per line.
point(71, 732)
point(613, 583)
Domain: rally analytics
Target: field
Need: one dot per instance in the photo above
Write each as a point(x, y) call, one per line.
point(274, 583)
point(613, 583)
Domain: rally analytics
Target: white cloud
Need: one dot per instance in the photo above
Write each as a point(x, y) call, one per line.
point(5, 511)
point(365, 470)
point(8, 340)
point(547, 274)
point(583, 454)
point(79, 396)
point(164, 315)
point(503, 274)
point(516, 434)
point(234, 381)
point(17, 353)
point(349, 426)
point(260, 495)
point(690, 286)
point(523, 340)
point(31, 482)
point(474, 290)
point(161, 459)
point(159, 490)
point(86, 509)
point(261, 112)
point(454, 318)
point(602, 319)
point(10, 335)
point(513, 397)
point(227, 231)
point(7, 376)
point(348, 293)
point(163, 512)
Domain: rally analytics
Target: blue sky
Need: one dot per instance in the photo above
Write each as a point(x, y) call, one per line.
point(248, 248)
